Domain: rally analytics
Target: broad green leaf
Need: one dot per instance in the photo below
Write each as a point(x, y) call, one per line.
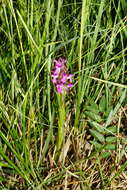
point(96, 144)
point(108, 111)
point(97, 126)
point(105, 154)
point(97, 135)
point(93, 116)
point(111, 139)
point(92, 103)
point(92, 109)
point(110, 147)
point(102, 104)
point(112, 129)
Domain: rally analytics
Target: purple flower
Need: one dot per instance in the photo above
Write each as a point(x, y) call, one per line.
point(64, 78)
point(60, 77)
point(60, 88)
point(59, 63)
point(54, 79)
point(70, 77)
point(56, 71)
point(70, 85)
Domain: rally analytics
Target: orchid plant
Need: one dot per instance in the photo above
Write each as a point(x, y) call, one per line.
point(62, 81)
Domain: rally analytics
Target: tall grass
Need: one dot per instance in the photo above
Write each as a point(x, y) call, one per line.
point(92, 36)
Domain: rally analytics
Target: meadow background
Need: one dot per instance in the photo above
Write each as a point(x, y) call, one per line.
point(92, 35)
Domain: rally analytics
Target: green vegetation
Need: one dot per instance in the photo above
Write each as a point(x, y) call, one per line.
point(92, 35)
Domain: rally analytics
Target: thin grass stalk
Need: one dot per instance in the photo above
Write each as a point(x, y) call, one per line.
point(83, 21)
point(19, 36)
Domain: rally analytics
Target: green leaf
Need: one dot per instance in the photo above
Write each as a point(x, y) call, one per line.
point(97, 135)
point(92, 104)
point(96, 144)
point(92, 109)
point(110, 147)
point(108, 110)
point(111, 139)
point(102, 104)
point(105, 154)
point(97, 126)
point(93, 116)
point(112, 129)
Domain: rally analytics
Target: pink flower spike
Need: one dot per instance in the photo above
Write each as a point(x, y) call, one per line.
point(56, 71)
point(58, 65)
point(60, 88)
point(60, 76)
point(64, 78)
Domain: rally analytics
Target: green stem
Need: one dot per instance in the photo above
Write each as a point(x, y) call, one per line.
point(61, 120)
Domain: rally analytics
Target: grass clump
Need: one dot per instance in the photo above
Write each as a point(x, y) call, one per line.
point(92, 149)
